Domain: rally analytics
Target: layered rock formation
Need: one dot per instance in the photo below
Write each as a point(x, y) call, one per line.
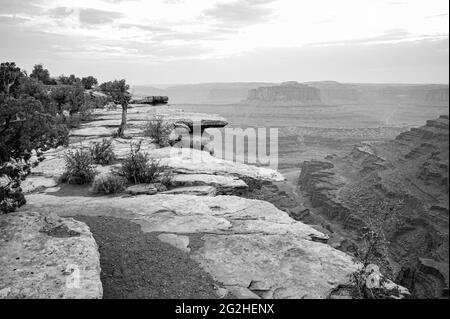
point(45, 256)
point(151, 100)
point(287, 93)
point(412, 169)
point(332, 92)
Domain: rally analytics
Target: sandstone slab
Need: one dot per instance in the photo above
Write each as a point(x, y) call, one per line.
point(224, 184)
point(45, 256)
point(248, 244)
point(141, 189)
point(93, 131)
point(37, 183)
point(194, 161)
point(193, 190)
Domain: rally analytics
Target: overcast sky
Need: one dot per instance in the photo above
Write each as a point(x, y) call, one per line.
point(192, 41)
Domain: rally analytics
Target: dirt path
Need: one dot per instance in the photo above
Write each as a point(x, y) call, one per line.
point(138, 265)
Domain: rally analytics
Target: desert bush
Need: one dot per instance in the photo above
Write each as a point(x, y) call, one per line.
point(42, 74)
point(69, 80)
point(102, 152)
point(79, 167)
point(89, 82)
point(158, 130)
point(74, 100)
point(372, 252)
point(99, 102)
point(138, 167)
point(108, 184)
point(73, 121)
point(166, 178)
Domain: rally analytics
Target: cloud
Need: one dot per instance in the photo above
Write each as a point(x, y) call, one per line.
point(240, 12)
point(20, 7)
point(96, 17)
point(174, 1)
point(119, 1)
point(390, 36)
point(86, 16)
point(61, 12)
point(143, 27)
point(12, 20)
point(443, 15)
point(224, 38)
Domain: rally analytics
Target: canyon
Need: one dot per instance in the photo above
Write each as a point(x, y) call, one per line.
point(347, 192)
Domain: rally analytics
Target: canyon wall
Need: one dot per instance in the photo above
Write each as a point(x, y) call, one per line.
point(413, 170)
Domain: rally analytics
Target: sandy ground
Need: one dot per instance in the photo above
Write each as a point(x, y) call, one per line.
point(138, 265)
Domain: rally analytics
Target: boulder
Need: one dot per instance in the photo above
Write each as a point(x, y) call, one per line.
point(45, 256)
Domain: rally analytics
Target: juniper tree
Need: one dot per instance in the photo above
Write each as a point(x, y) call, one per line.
point(118, 92)
point(28, 127)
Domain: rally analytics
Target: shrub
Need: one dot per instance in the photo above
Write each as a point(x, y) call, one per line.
point(372, 251)
point(108, 184)
point(102, 152)
point(73, 121)
point(158, 130)
point(138, 167)
point(79, 167)
point(166, 178)
point(89, 82)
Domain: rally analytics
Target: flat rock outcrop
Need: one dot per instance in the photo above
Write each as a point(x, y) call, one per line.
point(46, 256)
point(412, 169)
point(224, 184)
point(192, 161)
point(249, 245)
point(138, 116)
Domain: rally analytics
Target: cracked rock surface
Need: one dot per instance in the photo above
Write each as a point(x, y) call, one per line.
point(248, 244)
point(46, 256)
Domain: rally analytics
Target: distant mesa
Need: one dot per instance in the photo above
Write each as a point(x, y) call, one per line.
point(151, 100)
point(307, 93)
point(287, 93)
point(332, 92)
